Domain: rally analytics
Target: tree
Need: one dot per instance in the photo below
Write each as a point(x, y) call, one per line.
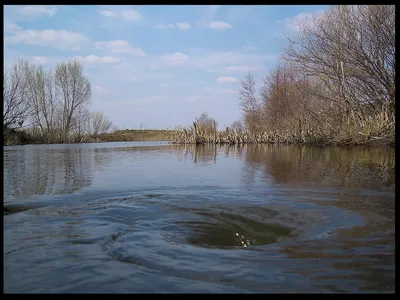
point(350, 50)
point(15, 105)
point(250, 105)
point(42, 97)
point(100, 123)
point(75, 90)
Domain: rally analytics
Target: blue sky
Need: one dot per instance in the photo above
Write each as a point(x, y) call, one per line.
point(159, 66)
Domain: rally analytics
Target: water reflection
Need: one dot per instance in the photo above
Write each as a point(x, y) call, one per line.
point(355, 167)
point(200, 154)
point(52, 171)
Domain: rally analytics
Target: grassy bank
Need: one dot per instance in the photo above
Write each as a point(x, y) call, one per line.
point(24, 137)
point(137, 135)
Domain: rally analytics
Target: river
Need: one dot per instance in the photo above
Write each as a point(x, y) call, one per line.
point(149, 217)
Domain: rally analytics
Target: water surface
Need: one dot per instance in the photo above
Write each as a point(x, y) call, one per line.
point(159, 218)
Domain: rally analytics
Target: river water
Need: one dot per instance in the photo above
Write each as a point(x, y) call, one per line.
point(158, 218)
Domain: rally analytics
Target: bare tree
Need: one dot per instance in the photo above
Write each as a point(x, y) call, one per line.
point(237, 126)
point(42, 97)
point(15, 104)
point(250, 104)
point(100, 123)
point(75, 91)
point(351, 50)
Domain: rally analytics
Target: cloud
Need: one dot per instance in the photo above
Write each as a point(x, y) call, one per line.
point(108, 13)
point(228, 92)
point(221, 61)
point(61, 39)
point(227, 80)
point(300, 20)
point(38, 10)
point(219, 26)
point(128, 14)
point(119, 47)
point(183, 26)
point(93, 59)
point(166, 26)
point(175, 58)
point(239, 69)
point(131, 15)
point(11, 27)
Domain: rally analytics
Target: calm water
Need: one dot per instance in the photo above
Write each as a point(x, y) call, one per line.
point(151, 217)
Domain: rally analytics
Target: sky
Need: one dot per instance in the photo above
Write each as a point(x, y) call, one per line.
point(156, 66)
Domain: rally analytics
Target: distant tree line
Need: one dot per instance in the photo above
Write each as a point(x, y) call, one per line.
point(50, 107)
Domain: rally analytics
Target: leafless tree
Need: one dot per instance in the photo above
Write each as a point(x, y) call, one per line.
point(351, 50)
point(75, 91)
point(250, 105)
point(237, 126)
point(206, 124)
point(42, 97)
point(100, 123)
point(15, 104)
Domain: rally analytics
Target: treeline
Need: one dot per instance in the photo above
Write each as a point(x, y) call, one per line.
point(334, 84)
point(42, 106)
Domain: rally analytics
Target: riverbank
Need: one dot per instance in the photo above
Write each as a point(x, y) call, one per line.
point(192, 136)
point(20, 137)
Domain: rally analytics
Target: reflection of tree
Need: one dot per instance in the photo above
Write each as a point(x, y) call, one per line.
point(328, 262)
point(355, 167)
point(46, 171)
point(200, 154)
point(353, 262)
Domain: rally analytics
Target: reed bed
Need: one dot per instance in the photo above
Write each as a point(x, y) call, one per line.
point(375, 130)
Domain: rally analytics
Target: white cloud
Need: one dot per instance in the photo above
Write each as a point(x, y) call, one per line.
point(215, 61)
point(175, 58)
point(38, 10)
point(108, 13)
point(11, 27)
point(166, 26)
point(227, 79)
point(127, 15)
point(131, 15)
point(183, 26)
point(239, 69)
point(228, 92)
point(218, 25)
point(302, 19)
point(119, 47)
point(93, 59)
point(61, 39)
